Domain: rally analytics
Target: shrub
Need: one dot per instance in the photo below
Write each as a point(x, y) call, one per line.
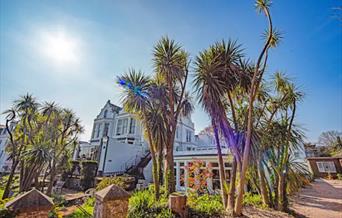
point(329, 176)
point(4, 201)
point(143, 204)
point(54, 213)
point(59, 200)
point(4, 213)
point(119, 181)
point(87, 206)
point(255, 200)
point(339, 176)
point(205, 205)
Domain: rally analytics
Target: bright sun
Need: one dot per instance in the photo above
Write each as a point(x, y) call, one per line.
point(60, 48)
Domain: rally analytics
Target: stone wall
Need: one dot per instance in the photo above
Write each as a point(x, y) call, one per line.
point(31, 204)
point(115, 208)
point(111, 202)
point(33, 214)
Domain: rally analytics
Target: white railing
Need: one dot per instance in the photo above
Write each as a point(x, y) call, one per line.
point(202, 151)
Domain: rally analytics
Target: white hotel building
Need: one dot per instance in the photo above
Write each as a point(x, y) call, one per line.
point(117, 143)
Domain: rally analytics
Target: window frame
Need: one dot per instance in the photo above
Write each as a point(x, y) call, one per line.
point(132, 125)
point(119, 127)
point(326, 166)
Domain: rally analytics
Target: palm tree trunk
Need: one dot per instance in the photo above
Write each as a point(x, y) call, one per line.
point(169, 177)
point(275, 188)
point(263, 188)
point(52, 178)
point(22, 176)
point(44, 177)
point(281, 186)
point(155, 178)
point(10, 180)
point(231, 195)
point(154, 166)
point(160, 164)
point(221, 166)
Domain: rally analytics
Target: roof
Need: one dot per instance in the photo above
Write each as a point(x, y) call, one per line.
point(29, 200)
point(112, 192)
point(115, 107)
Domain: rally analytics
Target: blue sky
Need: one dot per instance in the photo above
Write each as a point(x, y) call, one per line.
point(71, 51)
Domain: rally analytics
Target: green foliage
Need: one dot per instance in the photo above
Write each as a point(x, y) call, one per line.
point(4, 201)
point(255, 200)
point(87, 206)
point(59, 200)
point(54, 212)
point(339, 176)
point(143, 204)
point(118, 180)
point(205, 205)
point(4, 213)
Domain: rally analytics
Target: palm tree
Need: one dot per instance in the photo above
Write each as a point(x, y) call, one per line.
point(171, 66)
point(276, 136)
point(11, 114)
point(136, 100)
point(262, 6)
point(216, 76)
point(35, 158)
point(26, 107)
point(293, 96)
point(65, 128)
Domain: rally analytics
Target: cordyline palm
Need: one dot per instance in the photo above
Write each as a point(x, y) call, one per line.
point(276, 137)
point(50, 111)
point(35, 157)
point(136, 100)
point(65, 128)
point(26, 107)
point(262, 6)
point(293, 96)
point(171, 66)
point(10, 117)
point(217, 74)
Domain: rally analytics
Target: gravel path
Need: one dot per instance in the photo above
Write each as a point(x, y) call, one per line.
point(322, 199)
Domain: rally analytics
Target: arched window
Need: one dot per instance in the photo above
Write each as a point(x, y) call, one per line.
point(105, 114)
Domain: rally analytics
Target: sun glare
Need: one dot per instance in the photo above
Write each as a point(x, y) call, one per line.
point(60, 48)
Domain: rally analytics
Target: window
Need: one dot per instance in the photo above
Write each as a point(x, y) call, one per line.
point(124, 126)
point(132, 126)
point(105, 130)
point(326, 167)
point(177, 133)
point(188, 136)
point(98, 130)
point(182, 173)
point(105, 114)
point(130, 140)
point(119, 127)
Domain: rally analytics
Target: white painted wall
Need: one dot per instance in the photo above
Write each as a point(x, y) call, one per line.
point(119, 154)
